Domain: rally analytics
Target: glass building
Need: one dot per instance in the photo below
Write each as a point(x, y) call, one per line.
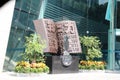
point(88, 14)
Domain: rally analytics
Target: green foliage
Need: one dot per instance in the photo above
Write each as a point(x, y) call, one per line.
point(34, 47)
point(91, 47)
point(21, 69)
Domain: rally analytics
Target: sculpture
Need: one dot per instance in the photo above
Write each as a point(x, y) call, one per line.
point(62, 42)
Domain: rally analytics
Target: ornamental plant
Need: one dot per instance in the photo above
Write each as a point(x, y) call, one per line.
point(33, 56)
point(91, 47)
point(34, 47)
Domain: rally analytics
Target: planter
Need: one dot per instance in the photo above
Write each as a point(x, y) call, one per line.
point(22, 74)
point(29, 74)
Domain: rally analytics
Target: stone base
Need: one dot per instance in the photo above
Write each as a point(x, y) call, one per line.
point(55, 64)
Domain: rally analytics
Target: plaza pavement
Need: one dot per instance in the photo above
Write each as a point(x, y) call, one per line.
point(68, 76)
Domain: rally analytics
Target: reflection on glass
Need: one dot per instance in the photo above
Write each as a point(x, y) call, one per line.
point(24, 13)
point(103, 1)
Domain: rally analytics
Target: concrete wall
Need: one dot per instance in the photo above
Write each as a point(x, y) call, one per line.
point(6, 14)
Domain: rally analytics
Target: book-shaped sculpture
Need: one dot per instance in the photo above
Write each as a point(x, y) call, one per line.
point(47, 30)
point(54, 34)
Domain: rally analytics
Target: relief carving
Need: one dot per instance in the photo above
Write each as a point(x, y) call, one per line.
point(54, 32)
point(47, 30)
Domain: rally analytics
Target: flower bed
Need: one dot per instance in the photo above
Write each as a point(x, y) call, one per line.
point(26, 67)
point(92, 65)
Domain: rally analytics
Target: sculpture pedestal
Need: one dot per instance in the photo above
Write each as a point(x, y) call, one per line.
point(55, 64)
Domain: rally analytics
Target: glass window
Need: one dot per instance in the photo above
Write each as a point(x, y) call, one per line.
point(117, 42)
point(84, 12)
point(18, 4)
point(23, 18)
point(118, 14)
point(30, 21)
point(35, 6)
point(25, 12)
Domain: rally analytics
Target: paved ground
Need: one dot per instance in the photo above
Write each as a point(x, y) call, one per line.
point(70, 76)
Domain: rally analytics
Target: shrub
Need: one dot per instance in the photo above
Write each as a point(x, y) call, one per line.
point(91, 47)
point(34, 47)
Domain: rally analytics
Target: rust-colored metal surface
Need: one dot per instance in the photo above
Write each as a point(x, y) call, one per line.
point(47, 30)
point(54, 33)
point(69, 29)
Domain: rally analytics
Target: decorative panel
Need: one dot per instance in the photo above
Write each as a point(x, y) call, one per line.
point(47, 30)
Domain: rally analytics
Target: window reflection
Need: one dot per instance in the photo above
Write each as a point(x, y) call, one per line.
point(118, 14)
point(102, 1)
point(25, 12)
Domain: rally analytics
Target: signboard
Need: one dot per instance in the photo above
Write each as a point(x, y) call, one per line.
point(69, 29)
point(47, 30)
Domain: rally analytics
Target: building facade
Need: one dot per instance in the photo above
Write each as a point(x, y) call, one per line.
point(89, 16)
